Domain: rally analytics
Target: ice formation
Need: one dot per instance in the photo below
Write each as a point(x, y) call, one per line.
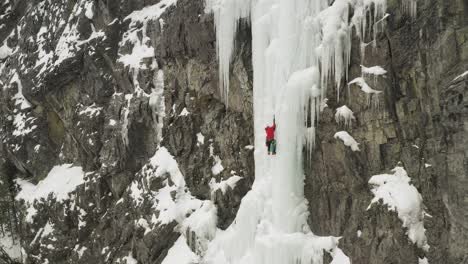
point(298, 48)
point(411, 7)
point(396, 191)
point(344, 115)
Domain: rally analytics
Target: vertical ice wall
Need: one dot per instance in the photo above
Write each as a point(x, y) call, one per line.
point(299, 48)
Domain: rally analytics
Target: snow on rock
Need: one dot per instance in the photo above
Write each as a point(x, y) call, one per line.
point(11, 245)
point(19, 97)
point(202, 222)
point(364, 86)
point(339, 257)
point(184, 112)
point(91, 111)
point(61, 180)
point(130, 259)
point(89, 10)
point(173, 201)
point(461, 76)
point(423, 261)
point(150, 12)
point(347, 139)
point(180, 253)
point(141, 46)
point(23, 125)
point(5, 51)
point(396, 191)
point(217, 167)
point(375, 70)
point(223, 185)
point(200, 139)
point(344, 115)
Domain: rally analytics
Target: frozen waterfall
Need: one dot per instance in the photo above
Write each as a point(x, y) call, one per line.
point(300, 47)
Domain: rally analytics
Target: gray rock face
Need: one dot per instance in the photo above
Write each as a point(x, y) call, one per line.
point(68, 96)
point(419, 121)
point(81, 104)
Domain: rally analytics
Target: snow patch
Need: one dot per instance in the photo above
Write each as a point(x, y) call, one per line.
point(364, 86)
point(375, 70)
point(223, 185)
point(130, 259)
point(10, 245)
point(19, 97)
point(23, 125)
point(200, 139)
point(91, 111)
point(61, 180)
point(151, 12)
point(396, 191)
point(184, 112)
point(217, 167)
point(89, 10)
point(423, 261)
point(5, 51)
point(180, 253)
point(347, 139)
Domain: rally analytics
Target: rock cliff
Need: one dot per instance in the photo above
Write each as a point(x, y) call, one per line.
point(121, 89)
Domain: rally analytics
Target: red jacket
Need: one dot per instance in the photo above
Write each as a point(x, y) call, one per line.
point(270, 131)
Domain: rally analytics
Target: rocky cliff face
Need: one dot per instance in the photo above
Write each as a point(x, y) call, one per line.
point(419, 122)
point(104, 85)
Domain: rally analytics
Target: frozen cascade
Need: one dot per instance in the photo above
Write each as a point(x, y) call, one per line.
point(299, 47)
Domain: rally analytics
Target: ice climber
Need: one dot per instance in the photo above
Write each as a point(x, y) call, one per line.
point(270, 138)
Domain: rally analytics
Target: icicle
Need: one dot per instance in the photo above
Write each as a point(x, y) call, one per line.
point(410, 7)
point(226, 15)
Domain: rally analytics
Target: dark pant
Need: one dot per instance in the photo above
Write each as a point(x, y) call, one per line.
point(268, 143)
